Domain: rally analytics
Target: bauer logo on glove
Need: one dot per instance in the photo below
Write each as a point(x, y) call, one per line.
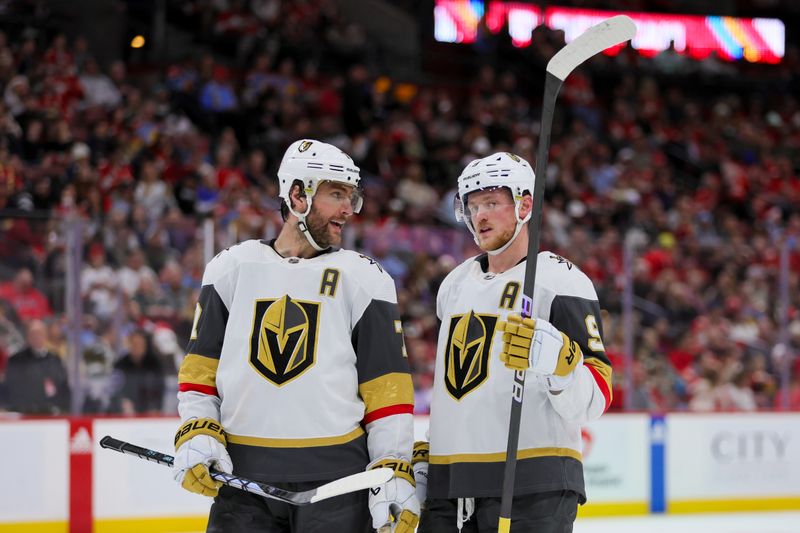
point(538, 345)
point(200, 446)
point(394, 506)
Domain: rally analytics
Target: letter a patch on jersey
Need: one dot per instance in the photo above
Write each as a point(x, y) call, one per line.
point(469, 344)
point(283, 342)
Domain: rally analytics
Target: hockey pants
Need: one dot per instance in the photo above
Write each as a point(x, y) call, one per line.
point(236, 511)
point(546, 512)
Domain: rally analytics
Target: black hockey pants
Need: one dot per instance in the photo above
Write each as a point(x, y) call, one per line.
point(546, 512)
point(236, 511)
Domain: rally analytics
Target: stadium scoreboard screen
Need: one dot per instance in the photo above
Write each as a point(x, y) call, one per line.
point(757, 40)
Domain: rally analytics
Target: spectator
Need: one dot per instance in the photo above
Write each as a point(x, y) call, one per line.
point(218, 95)
point(97, 363)
point(98, 89)
point(138, 382)
point(28, 302)
point(419, 197)
point(255, 169)
point(135, 269)
point(16, 94)
point(11, 339)
point(36, 380)
point(671, 62)
point(99, 284)
point(152, 193)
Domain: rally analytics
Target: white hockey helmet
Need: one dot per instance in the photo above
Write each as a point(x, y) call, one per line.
point(312, 162)
point(502, 169)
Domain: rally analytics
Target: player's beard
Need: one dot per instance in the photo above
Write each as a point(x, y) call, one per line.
point(319, 228)
point(494, 242)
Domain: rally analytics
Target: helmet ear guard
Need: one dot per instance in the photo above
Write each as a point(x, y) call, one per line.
point(458, 208)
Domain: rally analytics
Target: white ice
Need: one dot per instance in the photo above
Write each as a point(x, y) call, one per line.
point(778, 522)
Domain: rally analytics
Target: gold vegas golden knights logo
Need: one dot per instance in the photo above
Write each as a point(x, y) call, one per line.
point(283, 343)
point(469, 344)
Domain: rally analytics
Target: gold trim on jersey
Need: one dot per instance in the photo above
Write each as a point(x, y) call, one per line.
point(501, 456)
point(295, 443)
point(198, 369)
point(467, 352)
point(602, 368)
point(283, 338)
point(387, 390)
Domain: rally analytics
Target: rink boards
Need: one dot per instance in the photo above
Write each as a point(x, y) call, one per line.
point(58, 479)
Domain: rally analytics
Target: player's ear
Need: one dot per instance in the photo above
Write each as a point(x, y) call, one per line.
point(298, 197)
point(526, 204)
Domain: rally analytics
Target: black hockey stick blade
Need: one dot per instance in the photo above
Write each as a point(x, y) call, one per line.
point(606, 34)
point(345, 485)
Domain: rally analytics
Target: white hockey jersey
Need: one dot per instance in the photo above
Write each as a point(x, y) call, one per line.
point(302, 361)
point(471, 402)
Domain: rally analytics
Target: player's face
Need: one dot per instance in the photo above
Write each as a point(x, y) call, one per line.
point(492, 216)
point(331, 209)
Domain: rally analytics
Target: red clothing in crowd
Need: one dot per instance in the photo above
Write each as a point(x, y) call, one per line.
point(29, 304)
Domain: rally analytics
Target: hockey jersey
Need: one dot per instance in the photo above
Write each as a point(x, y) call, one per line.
point(301, 360)
point(471, 402)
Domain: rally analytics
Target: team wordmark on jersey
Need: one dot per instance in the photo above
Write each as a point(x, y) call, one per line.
point(469, 343)
point(371, 261)
point(283, 341)
point(561, 261)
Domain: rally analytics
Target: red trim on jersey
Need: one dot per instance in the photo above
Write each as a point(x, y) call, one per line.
point(205, 389)
point(383, 412)
point(601, 382)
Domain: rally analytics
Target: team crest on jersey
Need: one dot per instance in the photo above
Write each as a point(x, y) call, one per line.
point(283, 343)
point(469, 344)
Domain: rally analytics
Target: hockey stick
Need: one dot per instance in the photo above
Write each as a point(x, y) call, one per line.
point(352, 483)
point(611, 32)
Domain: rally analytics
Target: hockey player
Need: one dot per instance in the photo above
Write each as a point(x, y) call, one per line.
point(568, 381)
point(296, 372)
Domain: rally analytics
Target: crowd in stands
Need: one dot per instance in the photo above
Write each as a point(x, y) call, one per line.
point(698, 179)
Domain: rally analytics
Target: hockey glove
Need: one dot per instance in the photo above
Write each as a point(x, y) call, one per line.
point(200, 445)
point(420, 464)
point(394, 502)
point(537, 345)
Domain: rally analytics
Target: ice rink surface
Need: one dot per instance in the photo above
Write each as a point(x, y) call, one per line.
point(778, 522)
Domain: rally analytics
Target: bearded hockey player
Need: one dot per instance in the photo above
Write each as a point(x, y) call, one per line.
point(296, 372)
point(481, 334)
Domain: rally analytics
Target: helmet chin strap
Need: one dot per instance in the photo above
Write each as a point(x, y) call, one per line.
point(301, 225)
point(520, 223)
